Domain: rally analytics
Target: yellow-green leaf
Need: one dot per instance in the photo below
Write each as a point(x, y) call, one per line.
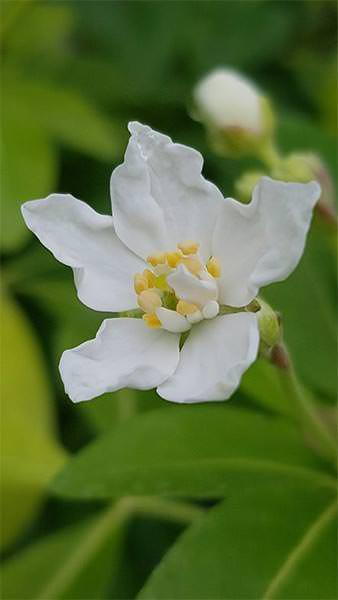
point(30, 452)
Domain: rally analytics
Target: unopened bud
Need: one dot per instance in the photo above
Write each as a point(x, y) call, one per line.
point(269, 327)
point(245, 184)
point(237, 117)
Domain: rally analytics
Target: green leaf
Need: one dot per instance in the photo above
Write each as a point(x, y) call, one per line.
point(38, 31)
point(77, 562)
point(28, 171)
point(262, 384)
point(307, 304)
point(191, 451)
point(30, 453)
point(63, 114)
point(276, 539)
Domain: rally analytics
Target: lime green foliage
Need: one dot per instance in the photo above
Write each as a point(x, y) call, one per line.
point(30, 453)
point(253, 514)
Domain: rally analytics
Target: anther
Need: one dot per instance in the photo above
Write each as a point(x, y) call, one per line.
point(188, 247)
point(152, 321)
point(157, 259)
point(140, 283)
point(173, 258)
point(186, 308)
point(151, 278)
point(149, 300)
point(214, 267)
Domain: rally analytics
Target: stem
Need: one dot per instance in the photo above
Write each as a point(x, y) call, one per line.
point(270, 155)
point(303, 403)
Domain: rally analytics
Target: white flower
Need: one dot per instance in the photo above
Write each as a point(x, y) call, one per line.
point(224, 98)
point(178, 251)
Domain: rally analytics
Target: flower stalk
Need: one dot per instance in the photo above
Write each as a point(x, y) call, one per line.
point(303, 403)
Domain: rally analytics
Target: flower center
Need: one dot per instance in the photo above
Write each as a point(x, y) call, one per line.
point(178, 289)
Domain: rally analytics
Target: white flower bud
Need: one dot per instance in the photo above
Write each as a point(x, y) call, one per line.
point(226, 99)
point(236, 115)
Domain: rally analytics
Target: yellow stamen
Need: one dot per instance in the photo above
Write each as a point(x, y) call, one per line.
point(152, 321)
point(151, 278)
point(186, 308)
point(193, 264)
point(149, 300)
point(173, 258)
point(140, 283)
point(157, 259)
point(214, 267)
point(189, 247)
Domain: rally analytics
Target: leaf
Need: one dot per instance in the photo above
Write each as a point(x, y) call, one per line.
point(76, 562)
point(276, 539)
point(307, 304)
point(186, 451)
point(39, 31)
point(63, 114)
point(30, 453)
point(262, 384)
point(29, 171)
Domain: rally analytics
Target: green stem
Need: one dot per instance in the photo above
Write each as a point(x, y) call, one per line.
point(270, 155)
point(304, 404)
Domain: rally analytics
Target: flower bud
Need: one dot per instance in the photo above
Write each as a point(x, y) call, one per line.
point(269, 327)
point(304, 167)
point(236, 115)
point(245, 184)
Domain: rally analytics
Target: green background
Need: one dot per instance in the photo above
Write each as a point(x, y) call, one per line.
point(73, 75)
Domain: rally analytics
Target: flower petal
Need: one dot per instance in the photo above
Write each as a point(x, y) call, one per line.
point(159, 197)
point(190, 288)
point(263, 241)
point(172, 321)
point(125, 353)
point(213, 359)
point(85, 240)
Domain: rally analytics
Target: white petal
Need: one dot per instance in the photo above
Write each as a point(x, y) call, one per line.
point(190, 288)
point(263, 241)
point(213, 359)
point(172, 321)
point(125, 353)
point(85, 240)
point(159, 197)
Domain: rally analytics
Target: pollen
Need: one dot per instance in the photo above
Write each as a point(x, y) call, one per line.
point(140, 283)
point(149, 300)
point(157, 259)
point(151, 278)
point(186, 308)
point(214, 267)
point(173, 258)
point(152, 321)
point(189, 247)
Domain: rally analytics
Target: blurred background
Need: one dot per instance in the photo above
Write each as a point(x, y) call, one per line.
point(73, 75)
